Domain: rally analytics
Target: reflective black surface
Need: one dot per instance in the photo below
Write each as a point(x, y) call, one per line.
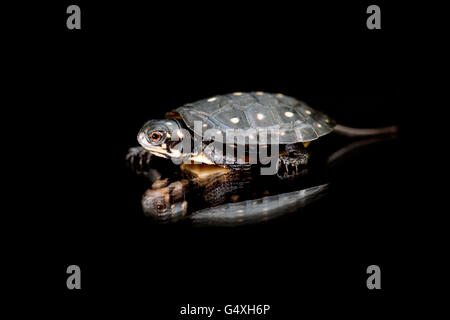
point(214, 195)
point(130, 64)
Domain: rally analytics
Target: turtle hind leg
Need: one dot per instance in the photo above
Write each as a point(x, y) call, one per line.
point(289, 168)
point(293, 163)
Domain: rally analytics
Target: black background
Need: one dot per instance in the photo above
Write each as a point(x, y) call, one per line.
point(132, 62)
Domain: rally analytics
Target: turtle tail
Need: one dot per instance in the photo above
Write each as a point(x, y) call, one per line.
point(358, 132)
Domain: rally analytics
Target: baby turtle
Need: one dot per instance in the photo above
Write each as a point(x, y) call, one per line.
point(209, 193)
point(195, 131)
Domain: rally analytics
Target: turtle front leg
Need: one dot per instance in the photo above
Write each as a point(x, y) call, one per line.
point(138, 158)
point(293, 163)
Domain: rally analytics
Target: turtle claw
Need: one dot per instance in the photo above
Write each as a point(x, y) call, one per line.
point(138, 158)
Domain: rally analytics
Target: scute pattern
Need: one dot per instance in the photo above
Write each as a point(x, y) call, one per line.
point(261, 111)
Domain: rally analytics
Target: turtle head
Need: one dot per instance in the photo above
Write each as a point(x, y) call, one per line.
point(162, 138)
point(166, 202)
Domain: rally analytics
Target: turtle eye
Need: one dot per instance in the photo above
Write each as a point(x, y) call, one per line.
point(160, 207)
point(155, 136)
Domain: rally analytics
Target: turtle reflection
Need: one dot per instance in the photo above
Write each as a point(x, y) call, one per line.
point(213, 195)
point(204, 194)
point(219, 196)
point(197, 186)
point(261, 209)
point(166, 201)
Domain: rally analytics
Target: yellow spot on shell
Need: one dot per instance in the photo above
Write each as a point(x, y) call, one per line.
point(306, 144)
point(288, 114)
